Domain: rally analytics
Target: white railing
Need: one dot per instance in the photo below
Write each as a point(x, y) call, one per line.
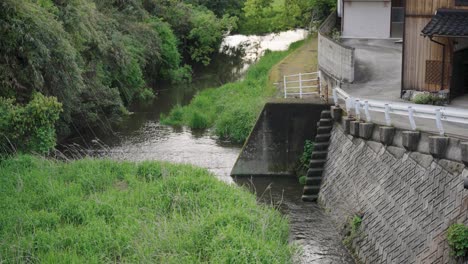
point(439, 119)
point(301, 84)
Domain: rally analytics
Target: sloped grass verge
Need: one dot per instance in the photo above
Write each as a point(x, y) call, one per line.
point(233, 108)
point(95, 211)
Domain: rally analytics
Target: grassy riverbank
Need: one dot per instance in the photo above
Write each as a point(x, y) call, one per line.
point(92, 211)
point(232, 109)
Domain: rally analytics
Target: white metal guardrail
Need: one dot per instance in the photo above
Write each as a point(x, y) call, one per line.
point(405, 115)
point(301, 84)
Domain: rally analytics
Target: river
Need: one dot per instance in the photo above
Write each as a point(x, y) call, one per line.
point(142, 137)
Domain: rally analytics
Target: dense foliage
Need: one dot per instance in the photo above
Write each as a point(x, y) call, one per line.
point(262, 16)
point(98, 211)
point(97, 56)
point(30, 127)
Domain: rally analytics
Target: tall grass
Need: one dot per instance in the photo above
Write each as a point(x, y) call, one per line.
point(94, 211)
point(231, 109)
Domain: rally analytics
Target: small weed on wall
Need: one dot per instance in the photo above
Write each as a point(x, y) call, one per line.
point(353, 231)
point(304, 160)
point(457, 237)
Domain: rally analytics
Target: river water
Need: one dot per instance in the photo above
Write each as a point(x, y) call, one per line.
point(142, 137)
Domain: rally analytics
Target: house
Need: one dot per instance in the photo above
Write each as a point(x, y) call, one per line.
point(371, 19)
point(435, 47)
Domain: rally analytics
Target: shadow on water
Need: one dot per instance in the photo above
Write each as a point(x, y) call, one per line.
point(310, 227)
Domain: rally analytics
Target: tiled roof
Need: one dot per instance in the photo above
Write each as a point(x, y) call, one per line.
point(449, 23)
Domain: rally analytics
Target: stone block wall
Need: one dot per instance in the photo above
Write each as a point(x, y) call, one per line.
point(407, 199)
point(334, 58)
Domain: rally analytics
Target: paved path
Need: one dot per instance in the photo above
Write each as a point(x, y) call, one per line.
point(377, 69)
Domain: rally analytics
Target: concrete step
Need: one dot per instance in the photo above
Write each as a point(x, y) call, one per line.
point(319, 146)
point(309, 198)
point(324, 129)
point(314, 181)
point(314, 172)
point(317, 163)
point(322, 137)
point(308, 190)
point(326, 114)
point(326, 122)
point(319, 154)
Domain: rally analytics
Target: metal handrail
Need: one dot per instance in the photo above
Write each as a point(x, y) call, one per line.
point(439, 114)
point(300, 81)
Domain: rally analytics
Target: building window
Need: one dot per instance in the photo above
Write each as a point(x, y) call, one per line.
point(461, 2)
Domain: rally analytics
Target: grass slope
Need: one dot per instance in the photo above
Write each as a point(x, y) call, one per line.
point(231, 109)
point(302, 60)
point(94, 211)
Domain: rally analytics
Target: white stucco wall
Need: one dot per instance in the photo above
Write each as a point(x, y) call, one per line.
point(366, 19)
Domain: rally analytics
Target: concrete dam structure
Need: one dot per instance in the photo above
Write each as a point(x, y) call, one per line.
point(277, 139)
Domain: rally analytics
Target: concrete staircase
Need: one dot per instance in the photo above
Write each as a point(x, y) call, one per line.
point(319, 158)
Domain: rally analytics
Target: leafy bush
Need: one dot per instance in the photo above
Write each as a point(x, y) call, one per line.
point(457, 237)
point(307, 153)
point(426, 98)
point(302, 180)
point(272, 16)
point(28, 128)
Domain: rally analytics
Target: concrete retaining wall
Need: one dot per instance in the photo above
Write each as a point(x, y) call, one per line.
point(334, 58)
point(277, 140)
point(407, 199)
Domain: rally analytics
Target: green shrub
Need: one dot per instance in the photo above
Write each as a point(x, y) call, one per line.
point(302, 180)
point(427, 98)
point(175, 117)
point(146, 94)
point(457, 237)
point(198, 120)
point(307, 153)
point(28, 128)
point(272, 16)
point(101, 211)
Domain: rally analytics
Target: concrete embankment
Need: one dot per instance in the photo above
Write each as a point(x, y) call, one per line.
point(407, 200)
point(277, 140)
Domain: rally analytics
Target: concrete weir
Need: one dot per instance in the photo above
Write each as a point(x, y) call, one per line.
point(277, 139)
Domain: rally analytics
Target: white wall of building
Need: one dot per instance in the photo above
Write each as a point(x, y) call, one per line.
point(366, 19)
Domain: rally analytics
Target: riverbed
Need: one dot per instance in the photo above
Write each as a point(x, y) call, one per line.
point(142, 137)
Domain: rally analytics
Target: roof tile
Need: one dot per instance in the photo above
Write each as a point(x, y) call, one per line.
point(449, 23)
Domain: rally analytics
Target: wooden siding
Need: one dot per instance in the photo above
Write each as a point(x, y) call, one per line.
point(418, 49)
